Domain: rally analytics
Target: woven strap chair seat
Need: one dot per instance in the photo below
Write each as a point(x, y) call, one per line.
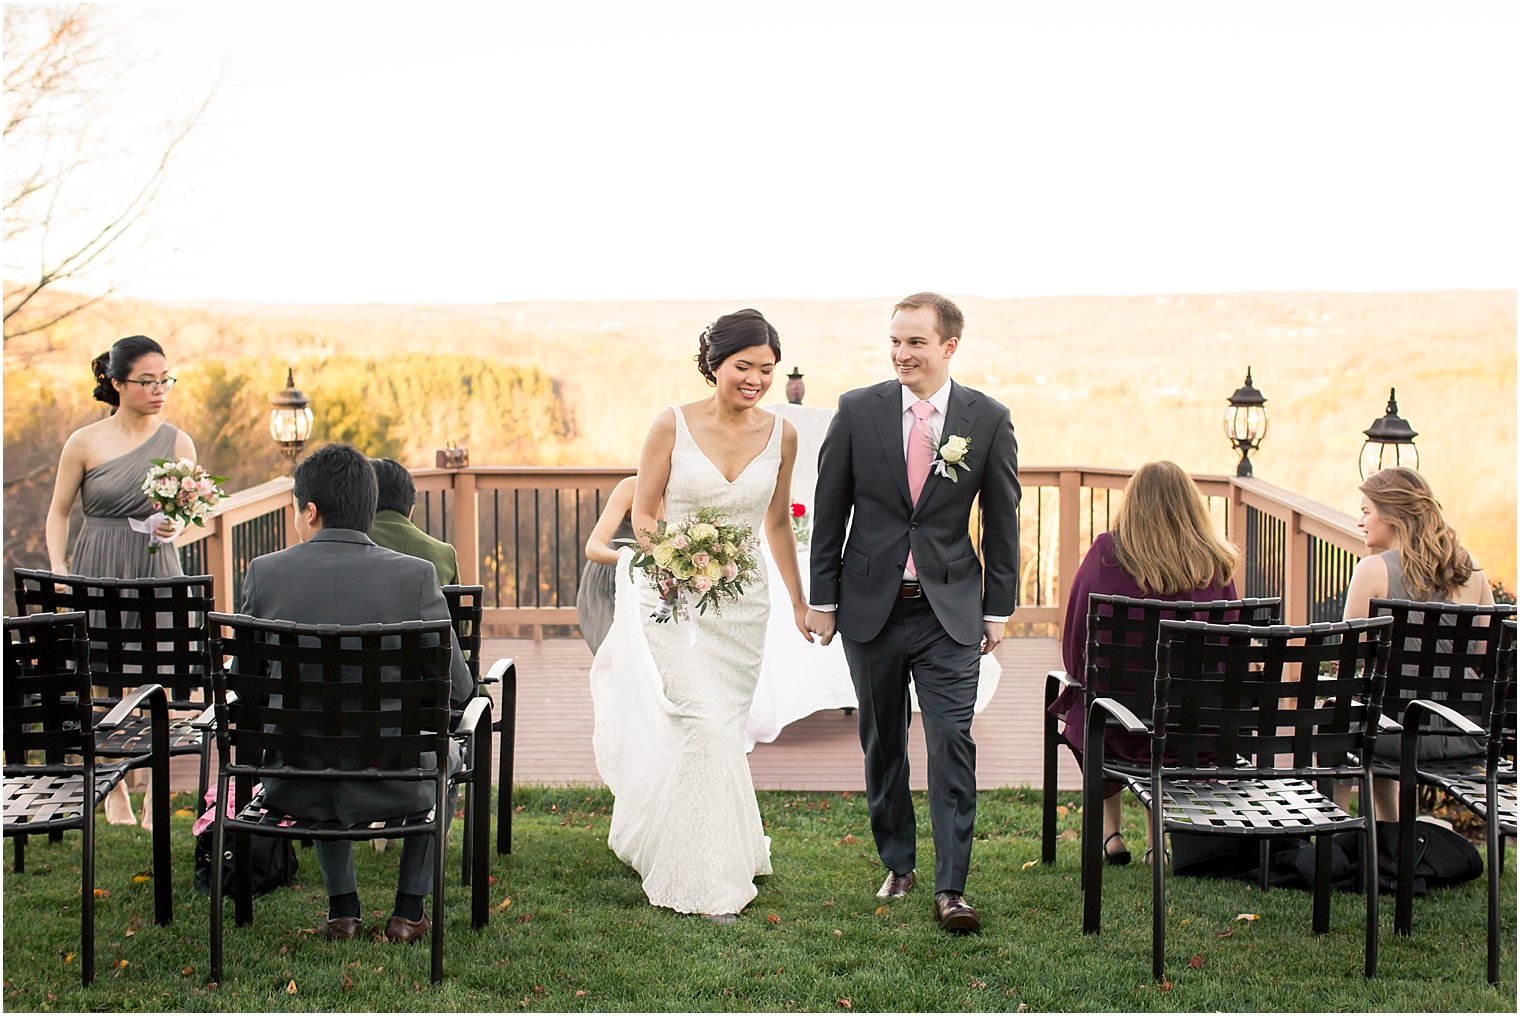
point(134, 737)
point(254, 813)
point(43, 802)
point(1467, 784)
point(1247, 807)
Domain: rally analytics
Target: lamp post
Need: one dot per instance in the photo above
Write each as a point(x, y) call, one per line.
point(290, 419)
point(1245, 423)
point(1389, 437)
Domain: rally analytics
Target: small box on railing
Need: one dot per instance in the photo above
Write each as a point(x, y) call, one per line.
point(453, 458)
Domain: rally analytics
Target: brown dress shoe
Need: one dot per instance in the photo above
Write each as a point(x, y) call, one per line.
point(339, 929)
point(399, 929)
point(955, 914)
point(896, 886)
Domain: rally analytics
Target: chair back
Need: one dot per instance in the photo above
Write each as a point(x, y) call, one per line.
point(1501, 726)
point(1309, 693)
point(47, 691)
point(141, 630)
point(1122, 633)
point(317, 701)
point(467, 608)
point(1442, 652)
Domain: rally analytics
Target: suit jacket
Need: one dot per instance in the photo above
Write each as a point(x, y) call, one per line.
point(863, 489)
point(339, 576)
point(395, 531)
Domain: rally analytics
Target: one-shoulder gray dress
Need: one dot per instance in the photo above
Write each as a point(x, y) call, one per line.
point(112, 493)
point(594, 598)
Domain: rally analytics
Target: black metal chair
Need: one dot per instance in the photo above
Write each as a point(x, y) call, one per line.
point(132, 642)
point(1443, 669)
point(1454, 663)
point(52, 780)
point(1229, 701)
point(1121, 664)
point(466, 607)
point(356, 703)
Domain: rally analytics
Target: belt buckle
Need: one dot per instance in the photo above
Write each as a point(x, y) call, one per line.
point(910, 591)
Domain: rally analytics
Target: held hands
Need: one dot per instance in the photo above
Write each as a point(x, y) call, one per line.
point(800, 615)
point(992, 634)
point(820, 623)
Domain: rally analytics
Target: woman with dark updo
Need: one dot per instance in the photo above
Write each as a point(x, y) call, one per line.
point(104, 463)
point(672, 699)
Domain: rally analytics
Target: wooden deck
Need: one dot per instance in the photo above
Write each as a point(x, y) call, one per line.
point(820, 752)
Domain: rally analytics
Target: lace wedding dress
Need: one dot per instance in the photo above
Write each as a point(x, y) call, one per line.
point(671, 702)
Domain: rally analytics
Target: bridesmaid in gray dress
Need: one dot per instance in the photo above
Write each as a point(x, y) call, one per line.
point(104, 464)
point(594, 597)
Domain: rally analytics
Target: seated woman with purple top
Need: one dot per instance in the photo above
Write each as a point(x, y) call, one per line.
point(1162, 546)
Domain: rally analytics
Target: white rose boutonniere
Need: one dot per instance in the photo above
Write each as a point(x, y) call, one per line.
point(950, 455)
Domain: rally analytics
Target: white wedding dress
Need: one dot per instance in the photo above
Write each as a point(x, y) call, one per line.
point(671, 702)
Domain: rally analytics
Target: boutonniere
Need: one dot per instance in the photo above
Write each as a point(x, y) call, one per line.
point(950, 455)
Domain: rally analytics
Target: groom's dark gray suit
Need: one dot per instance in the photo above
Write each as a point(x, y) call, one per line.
point(863, 491)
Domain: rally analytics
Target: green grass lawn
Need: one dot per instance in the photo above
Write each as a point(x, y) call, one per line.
point(570, 931)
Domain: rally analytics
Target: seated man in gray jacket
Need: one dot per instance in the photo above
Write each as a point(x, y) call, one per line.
point(337, 575)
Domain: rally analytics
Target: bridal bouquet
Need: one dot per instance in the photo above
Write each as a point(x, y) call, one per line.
point(705, 557)
point(182, 491)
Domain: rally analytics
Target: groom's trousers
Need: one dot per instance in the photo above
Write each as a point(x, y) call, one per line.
point(944, 673)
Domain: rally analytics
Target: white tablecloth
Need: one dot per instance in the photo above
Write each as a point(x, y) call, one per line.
point(798, 679)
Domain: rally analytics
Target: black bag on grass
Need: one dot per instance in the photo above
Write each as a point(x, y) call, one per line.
point(272, 858)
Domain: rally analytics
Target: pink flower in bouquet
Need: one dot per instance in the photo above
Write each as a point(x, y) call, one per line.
point(700, 559)
point(188, 483)
point(207, 485)
point(701, 583)
point(730, 572)
point(680, 542)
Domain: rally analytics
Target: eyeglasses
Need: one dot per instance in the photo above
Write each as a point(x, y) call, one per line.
point(161, 386)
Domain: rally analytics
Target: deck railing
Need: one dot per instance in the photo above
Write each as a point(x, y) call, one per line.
point(520, 532)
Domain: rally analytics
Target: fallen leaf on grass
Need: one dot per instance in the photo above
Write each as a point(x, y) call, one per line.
point(1023, 1007)
point(183, 813)
point(837, 933)
point(1196, 962)
point(1165, 985)
point(978, 985)
point(883, 910)
point(348, 983)
point(525, 918)
point(101, 894)
point(849, 840)
point(132, 926)
point(1028, 864)
point(69, 958)
point(145, 875)
point(580, 993)
point(845, 1003)
point(772, 918)
point(1247, 917)
point(505, 903)
point(290, 989)
point(1066, 836)
point(186, 971)
point(1185, 922)
point(1226, 933)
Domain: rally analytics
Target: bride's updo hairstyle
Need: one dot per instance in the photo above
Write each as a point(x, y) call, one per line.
point(728, 335)
point(117, 363)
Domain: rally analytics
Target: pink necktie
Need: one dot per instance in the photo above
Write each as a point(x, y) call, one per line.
point(919, 454)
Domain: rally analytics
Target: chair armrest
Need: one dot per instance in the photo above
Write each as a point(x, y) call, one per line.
point(498, 669)
point(1063, 679)
point(152, 695)
point(1385, 725)
point(479, 707)
point(1128, 720)
point(1456, 719)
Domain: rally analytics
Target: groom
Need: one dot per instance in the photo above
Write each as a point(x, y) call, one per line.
point(901, 464)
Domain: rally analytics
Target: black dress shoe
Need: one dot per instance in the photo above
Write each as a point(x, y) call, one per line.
point(896, 886)
point(339, 929)
point(955, 914)
point(399, 929)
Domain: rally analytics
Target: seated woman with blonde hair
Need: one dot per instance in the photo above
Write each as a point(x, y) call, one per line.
point(1414, 554)
point(1162, 545)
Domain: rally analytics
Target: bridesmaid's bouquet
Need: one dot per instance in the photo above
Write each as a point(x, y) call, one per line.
point(704, 556)
point(182, 491)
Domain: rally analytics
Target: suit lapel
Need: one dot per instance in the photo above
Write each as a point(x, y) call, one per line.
point(959, 416)
point(887, 415)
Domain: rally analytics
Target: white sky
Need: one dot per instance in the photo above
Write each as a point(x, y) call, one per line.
point(430, 152)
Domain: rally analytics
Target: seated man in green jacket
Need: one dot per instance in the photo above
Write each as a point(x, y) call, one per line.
point(393, 528)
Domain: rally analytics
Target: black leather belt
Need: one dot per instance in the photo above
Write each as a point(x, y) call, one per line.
point(910, 591)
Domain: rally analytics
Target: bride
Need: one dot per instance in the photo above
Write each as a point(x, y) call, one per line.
point(671, 699)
